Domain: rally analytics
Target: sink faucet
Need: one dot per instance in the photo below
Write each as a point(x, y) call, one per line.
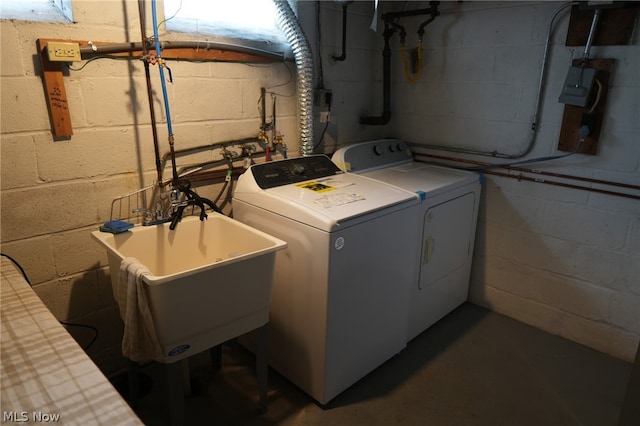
point(193, 199)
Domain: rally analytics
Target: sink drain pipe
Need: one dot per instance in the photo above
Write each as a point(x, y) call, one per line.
point(344, 4)
point(386, 82)
point(289, 24)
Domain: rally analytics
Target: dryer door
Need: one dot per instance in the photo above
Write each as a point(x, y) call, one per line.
point(446, 238)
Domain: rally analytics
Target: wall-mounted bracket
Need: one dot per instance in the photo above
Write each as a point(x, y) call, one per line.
point(616, 25)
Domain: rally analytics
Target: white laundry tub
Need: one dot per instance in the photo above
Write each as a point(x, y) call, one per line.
point(210, 280)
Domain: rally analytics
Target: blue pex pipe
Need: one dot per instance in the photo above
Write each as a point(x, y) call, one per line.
point(160, 67)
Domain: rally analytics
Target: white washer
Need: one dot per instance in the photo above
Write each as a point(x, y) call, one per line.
point(447, 219)
point(342, 286)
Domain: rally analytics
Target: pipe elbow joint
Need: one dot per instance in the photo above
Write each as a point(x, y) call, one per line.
point(376, 121)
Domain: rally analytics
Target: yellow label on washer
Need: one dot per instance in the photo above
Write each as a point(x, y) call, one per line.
point(316, 186)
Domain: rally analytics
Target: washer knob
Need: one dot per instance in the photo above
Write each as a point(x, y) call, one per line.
point(298, 169)
point(377, 150)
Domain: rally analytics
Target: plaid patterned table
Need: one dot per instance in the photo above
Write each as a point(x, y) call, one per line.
point(45, 376)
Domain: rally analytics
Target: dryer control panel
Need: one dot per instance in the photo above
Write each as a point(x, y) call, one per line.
point(293, 170)
point(365, 156)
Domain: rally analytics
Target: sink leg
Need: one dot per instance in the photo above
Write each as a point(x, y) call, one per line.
point(175, 391)
point(186, 378)
point(215, 353)
point(134, 383)
point(262, 368)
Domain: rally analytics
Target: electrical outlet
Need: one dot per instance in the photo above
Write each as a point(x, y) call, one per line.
point(58, 51)
point(322, 98)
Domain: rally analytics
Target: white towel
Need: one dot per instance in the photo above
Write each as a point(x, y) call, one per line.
point(140, 342)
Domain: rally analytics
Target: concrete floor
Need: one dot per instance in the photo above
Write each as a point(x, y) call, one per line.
point(474, 367)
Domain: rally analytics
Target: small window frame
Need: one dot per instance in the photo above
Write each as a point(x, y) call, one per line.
point(272, 41)
point(37, 10)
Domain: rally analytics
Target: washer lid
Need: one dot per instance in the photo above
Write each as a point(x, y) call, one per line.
point(325, 202)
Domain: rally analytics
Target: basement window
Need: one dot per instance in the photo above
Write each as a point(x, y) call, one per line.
point(37, 10)
point(247, 22)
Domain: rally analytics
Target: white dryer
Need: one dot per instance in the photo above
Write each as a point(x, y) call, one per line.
point(342, 286)
point(447, 222)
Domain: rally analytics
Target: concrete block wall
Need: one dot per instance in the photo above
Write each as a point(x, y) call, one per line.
point(55, 192)
point(563, 260)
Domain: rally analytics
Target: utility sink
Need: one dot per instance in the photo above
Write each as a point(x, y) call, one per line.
point(210, 280)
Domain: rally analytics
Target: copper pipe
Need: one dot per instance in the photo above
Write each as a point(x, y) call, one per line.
point(535, 171)
point(566, 185)
point(543, 173)
point(145, 54)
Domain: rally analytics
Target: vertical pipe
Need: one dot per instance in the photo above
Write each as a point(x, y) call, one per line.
point(145, 53)
point(592, 31)
point(343, 56)
point(163, 83)
point(263, 105)
point(386, 82)
point(273, 119)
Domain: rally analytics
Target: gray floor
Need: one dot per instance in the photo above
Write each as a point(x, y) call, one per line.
point(474, 367)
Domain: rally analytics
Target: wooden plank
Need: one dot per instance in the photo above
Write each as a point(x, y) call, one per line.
point(572, 117)
point(213, 55)
point(615, 25)
point(187, 54)
point(56, 94)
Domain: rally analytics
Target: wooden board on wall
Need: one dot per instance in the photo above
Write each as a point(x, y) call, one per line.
point(55, 92)
point(615, 26)
point(572, 117)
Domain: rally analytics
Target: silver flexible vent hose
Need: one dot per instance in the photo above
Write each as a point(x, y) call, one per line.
point(288, 23)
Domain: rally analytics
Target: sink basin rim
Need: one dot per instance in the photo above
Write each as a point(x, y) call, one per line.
point(108, 241)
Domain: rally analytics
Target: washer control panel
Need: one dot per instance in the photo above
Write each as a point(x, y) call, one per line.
point(293, 170)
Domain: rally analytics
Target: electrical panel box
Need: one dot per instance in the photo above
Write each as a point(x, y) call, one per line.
point(577, 86)
point(63, 51)
point(575, 118)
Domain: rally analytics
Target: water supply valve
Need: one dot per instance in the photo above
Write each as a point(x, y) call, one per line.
point(263, 140)
point(279, 145)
